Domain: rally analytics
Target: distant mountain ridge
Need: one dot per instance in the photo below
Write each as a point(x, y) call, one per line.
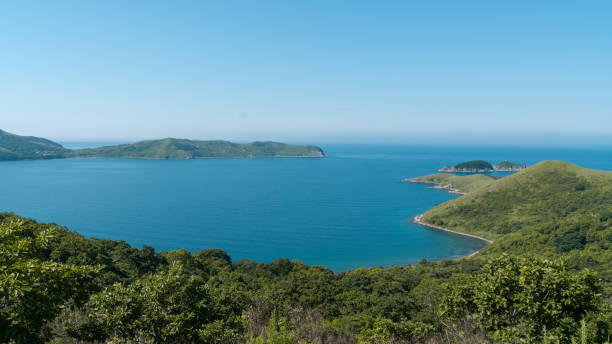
point(15, 147)
point(481, 166)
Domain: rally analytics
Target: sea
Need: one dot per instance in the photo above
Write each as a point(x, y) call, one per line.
point(348, 210)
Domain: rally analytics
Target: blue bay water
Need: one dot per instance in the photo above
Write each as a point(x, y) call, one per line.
point(345, 211)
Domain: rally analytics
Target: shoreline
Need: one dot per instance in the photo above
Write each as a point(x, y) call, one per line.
point(417, 220)
point(448, 188)
point(200, 157)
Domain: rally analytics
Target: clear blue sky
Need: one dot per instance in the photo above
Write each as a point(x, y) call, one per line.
point(307, 70)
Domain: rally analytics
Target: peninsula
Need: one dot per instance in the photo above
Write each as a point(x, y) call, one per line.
point(550, 209)
point(15, 147)
point(481, 166)
point(453, 183)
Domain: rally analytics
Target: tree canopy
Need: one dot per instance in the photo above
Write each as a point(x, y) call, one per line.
point(59, 286)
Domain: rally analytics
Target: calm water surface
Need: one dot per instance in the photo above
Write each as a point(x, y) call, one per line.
point(345, 211)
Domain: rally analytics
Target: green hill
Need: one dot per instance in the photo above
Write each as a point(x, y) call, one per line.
point(171, 148)
point(550, 209)
point(454, 183)
point(15, 147)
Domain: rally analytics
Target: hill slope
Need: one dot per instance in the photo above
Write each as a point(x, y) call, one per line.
point(552, 208)
point(15, 147)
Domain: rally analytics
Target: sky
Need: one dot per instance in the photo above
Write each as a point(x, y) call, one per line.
point(337, 71)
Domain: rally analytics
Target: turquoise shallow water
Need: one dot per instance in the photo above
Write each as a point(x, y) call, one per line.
point(345, 211)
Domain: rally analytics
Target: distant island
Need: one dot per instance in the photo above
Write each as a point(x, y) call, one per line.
point(481, 166)
point(508, 166)
point(453, 183)
point(15, 147)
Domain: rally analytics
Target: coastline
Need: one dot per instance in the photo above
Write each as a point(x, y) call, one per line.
point(200, 157)
point(449, 187)
point(417, 220)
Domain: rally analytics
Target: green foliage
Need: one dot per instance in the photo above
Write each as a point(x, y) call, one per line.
point(189, 149)
point(469, 167)
point(550, 209)
point(387, 331)
point(474, 165)
point(277, 332)
point(167, 307)
point(15, 147)
point(515, 300)
point(33, 291)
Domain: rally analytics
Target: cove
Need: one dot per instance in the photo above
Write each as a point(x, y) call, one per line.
point(346, 211)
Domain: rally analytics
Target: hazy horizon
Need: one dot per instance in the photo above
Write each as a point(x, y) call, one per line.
point(480, 72)
point(501, 139)
point(460, 137)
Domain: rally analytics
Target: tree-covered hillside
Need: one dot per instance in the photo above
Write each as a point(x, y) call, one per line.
point(189, 149)
point(14, 147)
point(550, 209)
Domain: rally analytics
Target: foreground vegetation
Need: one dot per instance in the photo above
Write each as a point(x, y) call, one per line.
point(545, 279)
point(14, 147)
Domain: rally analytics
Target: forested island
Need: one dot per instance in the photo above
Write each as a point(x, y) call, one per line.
point(545, 278)
point(15, 147)
point(481, 166)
